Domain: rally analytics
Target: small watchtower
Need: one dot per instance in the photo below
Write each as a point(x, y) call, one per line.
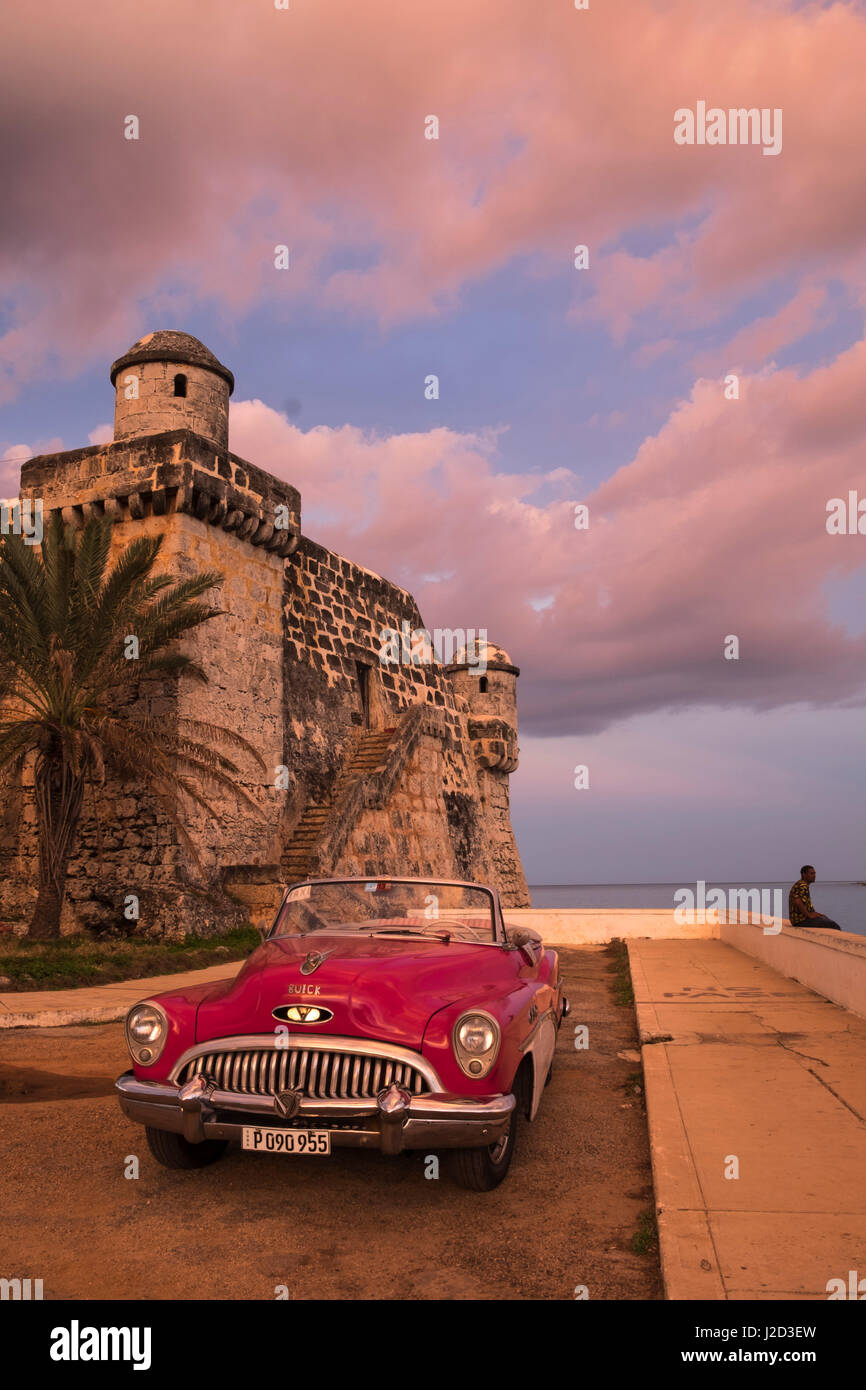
point(486, 677)
point(170, 381)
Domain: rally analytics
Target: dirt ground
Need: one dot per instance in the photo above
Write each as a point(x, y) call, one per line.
point(352, 1226)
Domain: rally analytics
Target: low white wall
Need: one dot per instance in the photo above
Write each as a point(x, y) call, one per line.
point(830, 962)
point(576, 927)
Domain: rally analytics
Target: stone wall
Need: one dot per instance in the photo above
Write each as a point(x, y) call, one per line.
point(294, 666)
point(214, 511)
point(335, 613)
point(241, 653)
point(127, 844)
point(173, 472)
point(411, 834)
point(506, 869)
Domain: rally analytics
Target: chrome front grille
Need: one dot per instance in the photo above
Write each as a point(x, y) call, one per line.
point(317, 1074)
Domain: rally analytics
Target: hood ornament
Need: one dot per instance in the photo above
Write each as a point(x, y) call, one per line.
point(288, 1103)
point(314, 959)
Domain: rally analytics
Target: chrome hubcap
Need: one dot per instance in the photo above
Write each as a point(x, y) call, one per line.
point(497, 1151)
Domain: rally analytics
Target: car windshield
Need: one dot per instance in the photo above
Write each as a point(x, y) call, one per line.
point(388, 907)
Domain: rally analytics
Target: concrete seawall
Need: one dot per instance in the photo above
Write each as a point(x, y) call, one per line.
point(829, 962)
point(585, 926)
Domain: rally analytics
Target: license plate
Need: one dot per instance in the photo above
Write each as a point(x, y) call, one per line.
point(287, 1141)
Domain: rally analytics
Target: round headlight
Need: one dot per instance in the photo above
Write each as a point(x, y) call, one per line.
point(476, 1035)
point(145, 1024)
point(476, 1043)
point(146, 1032)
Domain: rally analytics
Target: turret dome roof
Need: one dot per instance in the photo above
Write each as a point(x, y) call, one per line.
point(484, 653)
point(166, 345)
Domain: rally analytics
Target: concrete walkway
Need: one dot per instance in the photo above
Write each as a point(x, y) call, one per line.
point(744, 1064)
point(54, 1008)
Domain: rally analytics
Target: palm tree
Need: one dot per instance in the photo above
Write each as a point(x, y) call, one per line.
point(69, 688)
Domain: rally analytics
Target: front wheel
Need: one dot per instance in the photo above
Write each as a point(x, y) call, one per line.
point(483, 1169)
point(173, 1151)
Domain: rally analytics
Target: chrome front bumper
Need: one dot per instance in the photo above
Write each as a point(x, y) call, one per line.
point(431, 1121)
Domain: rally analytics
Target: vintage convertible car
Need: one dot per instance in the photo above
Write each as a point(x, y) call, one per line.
point(394, 1014)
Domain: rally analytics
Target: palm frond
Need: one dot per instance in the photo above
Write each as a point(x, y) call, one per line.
point(219, 734)
point(69, 695)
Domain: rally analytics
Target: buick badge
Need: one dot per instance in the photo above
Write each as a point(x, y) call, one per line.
point(301, 1013)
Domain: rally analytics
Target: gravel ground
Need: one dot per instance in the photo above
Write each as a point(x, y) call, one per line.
point(352, 1226)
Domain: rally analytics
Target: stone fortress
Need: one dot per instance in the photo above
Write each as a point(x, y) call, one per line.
point(371, 766)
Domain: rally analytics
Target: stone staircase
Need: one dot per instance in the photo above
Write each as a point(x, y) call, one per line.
point(365, 781)
point(370, 755)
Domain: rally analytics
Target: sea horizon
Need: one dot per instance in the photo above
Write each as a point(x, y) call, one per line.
point(843, 900)
point(678, 882)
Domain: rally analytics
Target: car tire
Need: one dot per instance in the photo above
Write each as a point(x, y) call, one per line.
point(480, 1170)
point(173, 1151)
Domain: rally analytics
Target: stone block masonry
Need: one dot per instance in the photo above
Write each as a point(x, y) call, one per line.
point(293, 665)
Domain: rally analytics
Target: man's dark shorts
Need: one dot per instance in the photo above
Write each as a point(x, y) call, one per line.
point(824, 923)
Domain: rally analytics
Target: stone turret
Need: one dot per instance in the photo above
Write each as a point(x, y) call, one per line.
point(169, 381)
point(486, 677)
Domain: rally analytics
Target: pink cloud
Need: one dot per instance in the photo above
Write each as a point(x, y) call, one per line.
point(756, 343)
point(556, 127)
point(716, 527)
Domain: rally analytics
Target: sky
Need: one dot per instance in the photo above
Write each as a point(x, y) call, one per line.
point(605, 384)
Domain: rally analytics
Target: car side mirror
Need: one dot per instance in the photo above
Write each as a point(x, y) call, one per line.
point(528, 944)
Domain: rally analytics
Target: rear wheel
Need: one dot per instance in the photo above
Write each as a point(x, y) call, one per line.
point(173, 1151)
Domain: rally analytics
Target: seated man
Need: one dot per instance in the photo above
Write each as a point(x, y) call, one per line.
point(801, 913)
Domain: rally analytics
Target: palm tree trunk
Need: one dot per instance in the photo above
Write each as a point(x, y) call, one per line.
point(59, 794)
point(45, 922)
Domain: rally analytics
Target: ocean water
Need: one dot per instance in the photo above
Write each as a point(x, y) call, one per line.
point(844, 902)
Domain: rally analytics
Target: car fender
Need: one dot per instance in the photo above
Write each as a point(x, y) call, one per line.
point(540, 1046)
point(526, 1014)
point(508, 1007)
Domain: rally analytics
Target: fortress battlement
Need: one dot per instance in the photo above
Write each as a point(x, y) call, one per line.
point(372, 766)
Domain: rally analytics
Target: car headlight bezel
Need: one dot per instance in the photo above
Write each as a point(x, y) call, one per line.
point(146, 1050)
point(468, 1058)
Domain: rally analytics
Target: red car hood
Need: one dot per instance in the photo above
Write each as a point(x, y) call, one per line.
point(379, 988)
